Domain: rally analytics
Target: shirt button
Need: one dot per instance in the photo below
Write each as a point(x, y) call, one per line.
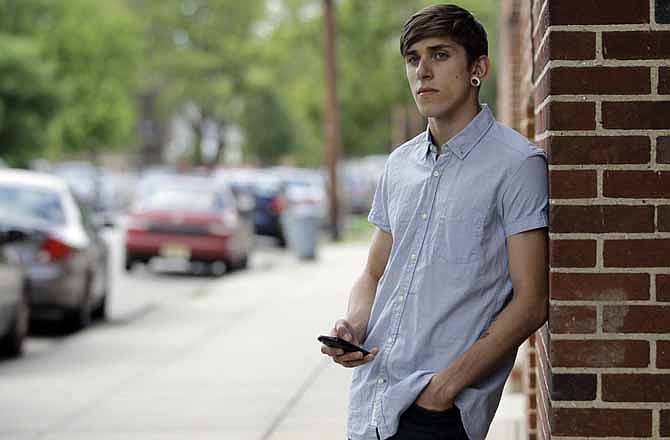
point(424, 216)
point(401, 297)
point(436, 173)
point(390, 340)
point(380, 380)
point(412, 258)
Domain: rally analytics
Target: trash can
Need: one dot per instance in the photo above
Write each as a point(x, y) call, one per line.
point(302, 232)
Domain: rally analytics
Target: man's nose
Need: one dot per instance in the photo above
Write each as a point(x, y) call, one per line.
point(424, 69)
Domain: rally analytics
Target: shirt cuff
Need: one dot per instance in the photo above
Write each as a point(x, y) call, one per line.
point(535, 221)
point(378, 222)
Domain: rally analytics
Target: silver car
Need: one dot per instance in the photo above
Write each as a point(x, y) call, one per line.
point(66, 268)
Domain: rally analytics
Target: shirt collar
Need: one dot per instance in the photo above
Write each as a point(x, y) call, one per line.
point(466, 139)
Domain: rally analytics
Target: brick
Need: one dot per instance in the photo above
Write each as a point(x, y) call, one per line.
point(636, 319)
point(600, 286)
point(662, 8)
point(572, 45)
point(586, 150)
point(636, 45)
point(572, 253)
point(577, 184)
point(664, 218)
point(566, 46)
point(636, 387)
point(663, 287)
point(600, 353)
point(602, 218)
point(664, 80)
point(598, 12)
point(567, 116)
point(663, 354)
point(574, 387)
point(663, 149)
point(636, 184)
point(572, 319)
point(637, 253)
point(600, 422)
point(665, 423)
point(600, 80)
point(643, 115)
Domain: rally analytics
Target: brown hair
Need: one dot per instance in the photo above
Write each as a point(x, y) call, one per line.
point(446, 20)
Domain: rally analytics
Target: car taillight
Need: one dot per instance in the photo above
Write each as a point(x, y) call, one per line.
point(277, 205)
point(53, 250)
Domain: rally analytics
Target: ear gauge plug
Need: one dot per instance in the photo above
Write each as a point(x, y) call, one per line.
point(476, 82)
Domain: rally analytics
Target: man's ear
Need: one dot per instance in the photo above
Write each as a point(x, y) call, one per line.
point(481, 66)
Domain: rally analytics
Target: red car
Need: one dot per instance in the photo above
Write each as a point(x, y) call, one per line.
point(189, 218)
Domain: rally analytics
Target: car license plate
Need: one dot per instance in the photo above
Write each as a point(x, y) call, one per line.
point(175, 251)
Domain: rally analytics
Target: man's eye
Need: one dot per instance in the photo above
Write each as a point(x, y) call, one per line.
point(413, 60)
point(441, 55)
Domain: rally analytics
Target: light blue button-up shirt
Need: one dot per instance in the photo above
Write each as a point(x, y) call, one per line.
point(447, 276)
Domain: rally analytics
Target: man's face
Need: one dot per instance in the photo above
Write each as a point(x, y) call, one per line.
point(438, 74)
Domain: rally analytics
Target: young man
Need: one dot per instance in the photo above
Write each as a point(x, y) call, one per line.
point(456, 277)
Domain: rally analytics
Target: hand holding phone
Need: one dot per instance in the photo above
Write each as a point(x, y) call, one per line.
point(341, 346)
point(344, 345)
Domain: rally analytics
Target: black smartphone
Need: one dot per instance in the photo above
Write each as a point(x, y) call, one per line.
point(337, 342)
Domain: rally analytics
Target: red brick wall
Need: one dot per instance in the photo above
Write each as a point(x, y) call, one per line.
point(600, 79)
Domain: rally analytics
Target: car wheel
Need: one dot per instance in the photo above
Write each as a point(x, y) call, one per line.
point(80, 317)
point(243, 263)
point(12, 343)
point(100, 311)
point(128, 265)
point(281, 240)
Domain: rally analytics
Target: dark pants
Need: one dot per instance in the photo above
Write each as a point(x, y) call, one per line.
point(418, 423)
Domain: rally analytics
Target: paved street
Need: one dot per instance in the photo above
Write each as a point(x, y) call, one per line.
point(195, 357)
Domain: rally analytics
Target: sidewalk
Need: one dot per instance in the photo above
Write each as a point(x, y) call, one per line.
point(317, 410)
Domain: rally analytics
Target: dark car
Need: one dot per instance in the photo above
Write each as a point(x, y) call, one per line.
point(66, 265)
point(191, 219)
point(268, 191)
point(14, 311)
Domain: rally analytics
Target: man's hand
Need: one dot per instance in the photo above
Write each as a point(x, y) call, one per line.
point(345, 331)
point(433, 397)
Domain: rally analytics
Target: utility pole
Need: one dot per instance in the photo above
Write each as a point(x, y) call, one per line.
point(332, 121)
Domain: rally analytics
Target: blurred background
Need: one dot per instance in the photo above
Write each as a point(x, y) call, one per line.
point(158, 155)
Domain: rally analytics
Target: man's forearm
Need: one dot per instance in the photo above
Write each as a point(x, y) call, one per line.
point(512, 326)
point(360, 304)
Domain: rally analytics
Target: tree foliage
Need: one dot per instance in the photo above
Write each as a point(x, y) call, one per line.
point(71, 70)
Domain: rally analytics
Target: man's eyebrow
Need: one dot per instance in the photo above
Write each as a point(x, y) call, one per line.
point(441, 46)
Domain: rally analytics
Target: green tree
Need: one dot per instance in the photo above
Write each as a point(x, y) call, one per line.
point(27, 98)
point(198, 54)
point(96, 52)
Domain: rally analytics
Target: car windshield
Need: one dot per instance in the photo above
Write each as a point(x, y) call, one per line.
point(37, 204)
point(182, 200)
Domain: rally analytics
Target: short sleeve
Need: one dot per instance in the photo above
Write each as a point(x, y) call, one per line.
point(525, 199)
point(379, 211)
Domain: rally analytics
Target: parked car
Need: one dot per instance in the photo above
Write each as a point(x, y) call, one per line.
point(66, 265)
point(84, 179)
point(14, 311)
point(188, 218)
point(269, 198)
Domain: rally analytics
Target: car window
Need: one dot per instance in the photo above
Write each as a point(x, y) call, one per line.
point(43, 205)
point(181, 200)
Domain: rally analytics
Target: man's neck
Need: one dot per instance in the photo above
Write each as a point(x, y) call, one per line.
point(443, 129)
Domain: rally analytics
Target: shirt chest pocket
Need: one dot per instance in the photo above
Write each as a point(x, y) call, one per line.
point(459, 237)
